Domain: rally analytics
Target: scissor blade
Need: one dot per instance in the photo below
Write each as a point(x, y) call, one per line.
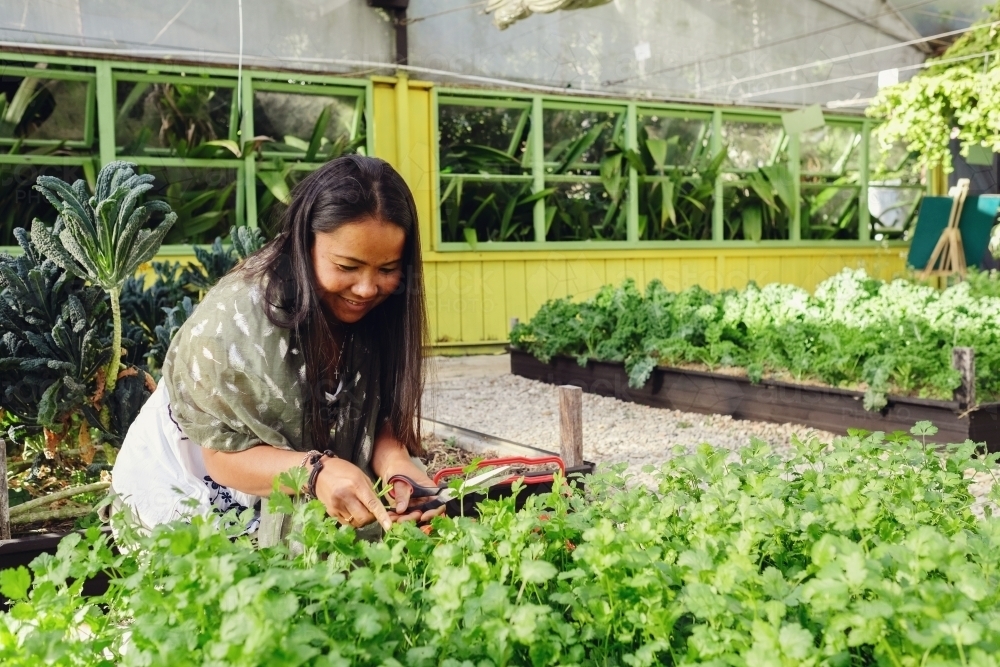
point(448, 494)
point(479, 479)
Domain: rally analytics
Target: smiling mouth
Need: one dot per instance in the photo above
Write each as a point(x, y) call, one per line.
point(356, 304)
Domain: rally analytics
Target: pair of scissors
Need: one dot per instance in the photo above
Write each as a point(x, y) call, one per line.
point(442, 494)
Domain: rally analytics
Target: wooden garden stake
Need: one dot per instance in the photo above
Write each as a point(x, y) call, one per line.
point(514, 322)
point(571, 425)
point(963, 359)
point(274, 526)
point(949, 254)
point(4, 498)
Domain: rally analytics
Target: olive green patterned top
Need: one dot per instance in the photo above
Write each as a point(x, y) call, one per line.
point(236, 380)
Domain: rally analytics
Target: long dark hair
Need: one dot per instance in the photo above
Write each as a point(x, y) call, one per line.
point(345, 190)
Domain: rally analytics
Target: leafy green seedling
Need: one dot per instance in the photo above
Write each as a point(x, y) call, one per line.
point(924, 429)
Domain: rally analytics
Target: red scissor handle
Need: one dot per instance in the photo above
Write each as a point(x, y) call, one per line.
point(533, 479)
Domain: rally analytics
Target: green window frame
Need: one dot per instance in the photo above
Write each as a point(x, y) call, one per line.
point(232, 169)
point(87, 77)
point(829, 203)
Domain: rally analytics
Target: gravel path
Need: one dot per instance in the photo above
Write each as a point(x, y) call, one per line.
point(479, 393)
point(614, 431)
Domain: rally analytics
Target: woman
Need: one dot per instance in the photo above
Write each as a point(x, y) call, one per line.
point(314, 343)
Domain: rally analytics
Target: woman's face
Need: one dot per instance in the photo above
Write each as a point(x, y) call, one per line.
point(358, 265)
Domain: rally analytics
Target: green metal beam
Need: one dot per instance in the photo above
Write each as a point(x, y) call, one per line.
point(864, 213)
point(508, 246)
point(106, 112)
point(156, 161)
point(307, 89)
point(718, 212)
point(538, 166)
point(249, 170)
point(35, 73)
point(44, 160)
point(489, 102)
point(632, 143)
point(795, 169)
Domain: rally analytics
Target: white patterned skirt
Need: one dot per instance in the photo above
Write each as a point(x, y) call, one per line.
point(160, 474)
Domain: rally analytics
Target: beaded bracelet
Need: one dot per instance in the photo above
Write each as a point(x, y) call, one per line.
point(309, 459)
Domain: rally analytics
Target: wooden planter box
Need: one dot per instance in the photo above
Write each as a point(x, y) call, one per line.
point(23, 550)
point(825, 408)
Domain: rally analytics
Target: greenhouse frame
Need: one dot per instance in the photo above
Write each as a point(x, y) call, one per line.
point(725, 189)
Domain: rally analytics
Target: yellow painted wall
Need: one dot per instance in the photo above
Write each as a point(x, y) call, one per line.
point(471, 296)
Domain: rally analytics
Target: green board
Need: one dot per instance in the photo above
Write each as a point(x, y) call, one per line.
point(978, 217)
point(803, 120)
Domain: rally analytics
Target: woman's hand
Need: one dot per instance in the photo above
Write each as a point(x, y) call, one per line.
point(407, 508)
point(348, 496)
point(391, 458)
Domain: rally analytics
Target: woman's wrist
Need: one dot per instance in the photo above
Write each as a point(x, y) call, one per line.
point(389, 460)
point(388, 453)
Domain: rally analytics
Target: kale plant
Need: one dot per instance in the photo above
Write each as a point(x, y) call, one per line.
point(54, 340)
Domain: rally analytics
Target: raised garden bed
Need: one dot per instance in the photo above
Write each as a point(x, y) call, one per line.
point(21, 550)
point(826, 408)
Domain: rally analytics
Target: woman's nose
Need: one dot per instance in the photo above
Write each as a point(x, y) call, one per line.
point(366, 287)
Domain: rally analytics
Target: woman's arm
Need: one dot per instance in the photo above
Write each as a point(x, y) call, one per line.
point(342, 487)
point(251, 470)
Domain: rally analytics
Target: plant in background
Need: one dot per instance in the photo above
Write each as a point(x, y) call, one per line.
point(831, 212)
point(760, 204)
point(189, 119)
point(31, 104)
point(101, 238)
point(199, 210)
point(474, 210)
point(53, 341)
point(143, 310)
point(217, 261)
point(280, 177)
point(579, 211)
point(957, 97)
point(678, 202)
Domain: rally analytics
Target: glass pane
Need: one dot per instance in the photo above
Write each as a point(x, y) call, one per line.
point(676, 209)
point(829, 149)
point(172, 119)
point(271, 185)
point(204, 200)
point(20, 203)
point(894, 166)
point(829, 213)
point(893, 211)
point(36, 109)
point(484, 140)
point(751, 145)
point(293, 119)
point(583, 211)
point(573, 139)
point(748, 216)
point(665, 141)
point(496, 211)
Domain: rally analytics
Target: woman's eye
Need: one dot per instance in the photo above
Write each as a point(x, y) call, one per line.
point(344, 267)
point(388, 272)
